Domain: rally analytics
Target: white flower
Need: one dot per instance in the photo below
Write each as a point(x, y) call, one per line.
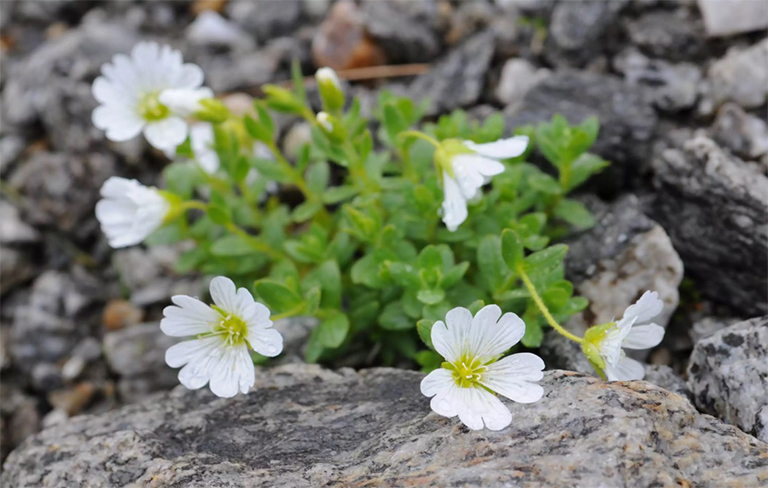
point(328, 75)
point(633, 331)
point(218, 355)
point(151, 91)
point(129, 211)
point(201, 140)
point(469, 171)
point(471, 347)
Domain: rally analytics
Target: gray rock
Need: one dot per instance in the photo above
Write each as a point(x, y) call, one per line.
point(707, 327)
point(733, 17)
point(265, 20)
point(612, 265)
point(458, 79)
point(577, 30)
point(714, 208)
point(227, 73)
point(47, 179)
point(675, 87)
point(741, 76)
point(11, 147)
point(742, 133)
point(627, 119)
point(728, 375)
point(675, 36)
point(405, 30)
point(374, 427)
point(14, 230)
point(518, 77)
point(16, 267)
point(137, 355)
point(664, 377)
point(211, 29)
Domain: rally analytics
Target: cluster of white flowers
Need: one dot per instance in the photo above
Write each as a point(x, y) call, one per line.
point(471, 169)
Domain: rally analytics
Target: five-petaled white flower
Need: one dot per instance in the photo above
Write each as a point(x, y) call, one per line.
point(633, 331)
point(471, 348)
point(469, 170)
point(130, 211)
point(152, 90)
point(218, 355)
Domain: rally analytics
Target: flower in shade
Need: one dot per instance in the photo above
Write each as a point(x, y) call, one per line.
point(218, 354)
point(130, 211)
point(468, 166)
point(604, 344)
point(151, 91)
point(472, 374)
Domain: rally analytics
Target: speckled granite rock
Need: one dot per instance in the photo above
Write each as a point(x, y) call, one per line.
point(309, 427)
point(714, 207)
point(728, 375)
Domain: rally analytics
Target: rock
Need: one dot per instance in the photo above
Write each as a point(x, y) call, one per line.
point(137, 355)
point(20, 418)
point(374, 427)
point(577, 30)
point(342, 41)
point(733, 17)
point(121, 313)
point(458, 79)
point(265, 19)
point(665, 377)
point(714, 208)
point(612, 265)
point(405, 30)
point(211, 29)
point(674, 36)
point(16, 267)
point(742, 133)
point(707, 327)
point(46, 377)
point(675, 87)
point(295, 332)
point(741, 76)
point(15, 231)
point(72, 400)
point(297, 136)
point(727, 375)
point(47, 179)
point(627, 119)
point(227, 73)
point(518, 77)
point(11, 147)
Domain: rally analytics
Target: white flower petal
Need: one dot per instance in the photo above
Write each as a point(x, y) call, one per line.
point(610, 346)
point(119, 123)
point(514, 375)
point(472, 172)
point(166, 134)
point(224, 294)
point(643, 337)
point(438, 381)
point(451, 340)
point(265, 341)
point(191, 351)
point(626, 369)
point(201, 138)
point(233, 373)
point(129, 211)
point(481, 407)
point(189, 76)
point(190, 317)
point(454, 206)
point(489, 336)
point(184, 101)
point(646, 308)
point(501, 149)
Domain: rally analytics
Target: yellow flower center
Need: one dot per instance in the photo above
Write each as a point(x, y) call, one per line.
point(151, 109)
point(232, 327)
point(467, 371)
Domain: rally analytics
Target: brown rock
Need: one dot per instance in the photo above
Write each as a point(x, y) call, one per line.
point(121, 313)
point(342, 41)
point(73, 400)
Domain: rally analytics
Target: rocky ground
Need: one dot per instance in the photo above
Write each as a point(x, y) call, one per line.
point(680, 89)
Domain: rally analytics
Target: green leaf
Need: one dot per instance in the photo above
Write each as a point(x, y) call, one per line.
point(218, 215)
point(181, 178)
point(367, 271)
point(333, 330)
point(314, 346)
point(190, 260)
point(338, 194)
point(424, 327)
point(428, 360)
point(582, 168)
point(545, 184)
point(317, 176)
point(232, 245)
point(404, 275)
point(256, 129)
point(555, 298)
point(431, 296)
point(393, 122)
point(493, 270)
point(305, 211)
point(270, 170)
point(265, 119)
point(454, 275)
point(575, 213)
point(394, 318)
point(534, 334)
point(329, 277)
point(512, 295)
point(277, 297)
point(511, 248)
point(298, 81)
point(430, 257)
point(547, 260)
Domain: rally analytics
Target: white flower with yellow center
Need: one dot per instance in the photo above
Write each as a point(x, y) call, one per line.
point(466, 167)
point(150, 91)
point(223, 333)
point(472, 371)
point(603, 343)
point(129, 211)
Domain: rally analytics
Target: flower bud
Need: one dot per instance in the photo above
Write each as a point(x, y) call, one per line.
point(331, 126)
point(212, 110)
point(330, 89)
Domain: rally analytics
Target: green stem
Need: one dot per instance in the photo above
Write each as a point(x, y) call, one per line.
point(419, 135)
point(543, 308)
point(194, 204)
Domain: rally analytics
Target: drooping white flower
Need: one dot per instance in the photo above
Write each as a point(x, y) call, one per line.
point(130, 211)
point(150, 91)
point(469, 170)
point(218, 354)
point(634, 331)
point(201, 140)
point(472, 347)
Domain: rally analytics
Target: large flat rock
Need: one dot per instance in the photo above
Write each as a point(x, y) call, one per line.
point(306, 426)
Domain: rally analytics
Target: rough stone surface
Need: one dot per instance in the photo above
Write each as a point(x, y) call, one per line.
point(405, 30)
point(457, 80)
point(742, 133)
point(675, 36)
point(741, 76)
point(665, 377)
point(312, 427)
point(714, 208)
point(266, 20)
point(577, 29)
point(728, 375)
point(627, 118)
point(518, 77)
point(733, 17)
